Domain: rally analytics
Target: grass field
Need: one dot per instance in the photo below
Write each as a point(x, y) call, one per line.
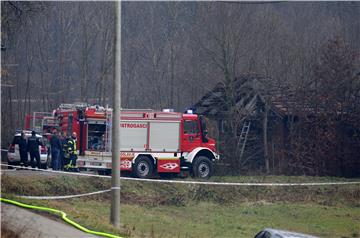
point(154, 210)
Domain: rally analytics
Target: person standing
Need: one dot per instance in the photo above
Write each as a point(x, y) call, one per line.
point(55, 146)
point(64, 150)
point(33, 148)
point(23, 150)
point(71, 153)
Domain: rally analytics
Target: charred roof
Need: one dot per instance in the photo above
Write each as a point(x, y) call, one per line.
point(247, 93)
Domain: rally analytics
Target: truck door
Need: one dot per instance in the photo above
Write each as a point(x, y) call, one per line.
point(191, 137)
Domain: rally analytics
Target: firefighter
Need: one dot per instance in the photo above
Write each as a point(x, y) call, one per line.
point(33, 148)
point(72, 153)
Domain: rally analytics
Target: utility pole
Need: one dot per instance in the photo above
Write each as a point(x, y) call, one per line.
point(115, 169)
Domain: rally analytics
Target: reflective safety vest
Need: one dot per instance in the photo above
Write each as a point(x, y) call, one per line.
point(72, 147)
point(71, 150)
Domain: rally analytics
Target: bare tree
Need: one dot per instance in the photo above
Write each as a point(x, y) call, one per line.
point(89, 36)
point(328, 117)
point(106, 56)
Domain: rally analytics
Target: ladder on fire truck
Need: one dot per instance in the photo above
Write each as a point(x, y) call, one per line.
point(243, 137)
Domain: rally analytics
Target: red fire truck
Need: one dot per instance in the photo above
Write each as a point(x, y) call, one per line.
point(152, 142)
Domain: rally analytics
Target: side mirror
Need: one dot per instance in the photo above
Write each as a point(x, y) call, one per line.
point(205, 133)
point(204, 136)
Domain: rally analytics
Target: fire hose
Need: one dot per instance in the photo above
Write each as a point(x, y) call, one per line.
point(63, 216)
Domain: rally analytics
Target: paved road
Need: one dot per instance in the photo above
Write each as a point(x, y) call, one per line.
point(31, 225)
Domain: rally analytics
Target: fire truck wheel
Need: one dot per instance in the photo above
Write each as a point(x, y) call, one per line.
point(143, 167)
point(202, 167)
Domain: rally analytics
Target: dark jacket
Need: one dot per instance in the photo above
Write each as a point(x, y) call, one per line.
point(65, 147)
point(55, 142)
point(22, 144)
point(33, 144)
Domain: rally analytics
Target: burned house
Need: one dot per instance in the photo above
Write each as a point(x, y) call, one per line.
point(249, 126)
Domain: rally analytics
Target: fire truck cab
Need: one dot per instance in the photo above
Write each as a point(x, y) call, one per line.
point(152, 142)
